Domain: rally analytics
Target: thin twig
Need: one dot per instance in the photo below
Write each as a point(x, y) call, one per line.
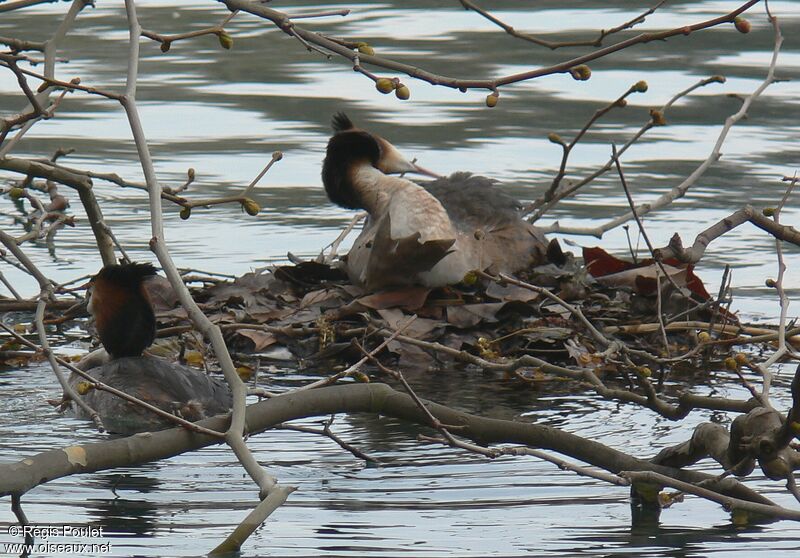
point(552, 45)
point(327, 432)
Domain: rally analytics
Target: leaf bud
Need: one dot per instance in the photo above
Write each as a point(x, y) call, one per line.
point(364, 48)
point(555, 138)
point(741, 358)
point(384, 85)
point(639, 87)
point(704, 337)
point(582, 72)
point(16, 193)
point(771, 283)
point(742, 25)
point(658, 118)
point(185, 213)
point(244, 372)
point(768, 211)
point(470, 278)
point(165, 46)
point(225, 40)
point(731, 364)
point(250, 206)
point(491, 99)
point(84, 387)
point(402, 92)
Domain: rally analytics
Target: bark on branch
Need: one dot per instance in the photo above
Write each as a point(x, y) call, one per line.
point(18, 478)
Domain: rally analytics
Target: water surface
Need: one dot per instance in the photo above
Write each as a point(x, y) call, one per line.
point(224, 112)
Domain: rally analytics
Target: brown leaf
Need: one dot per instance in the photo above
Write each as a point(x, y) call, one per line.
point(400, 260)
point(317, 297)
point(411, 298)
point(582, 356)
point(601, 264)
point(418, 329)
point(260, 339)
point(510, 292)
point(470, 315)
point(642, 280)
point(161, 293)
point(242, 291)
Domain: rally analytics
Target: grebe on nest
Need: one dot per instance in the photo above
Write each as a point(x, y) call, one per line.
point(431, 234)
point(126, 325)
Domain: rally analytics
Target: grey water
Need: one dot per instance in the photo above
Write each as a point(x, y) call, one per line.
point(223, 112)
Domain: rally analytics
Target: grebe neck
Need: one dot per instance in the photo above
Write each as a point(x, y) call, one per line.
point(375, 189)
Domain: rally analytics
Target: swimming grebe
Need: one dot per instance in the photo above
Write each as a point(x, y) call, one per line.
point(126, 325)
point(431, 234)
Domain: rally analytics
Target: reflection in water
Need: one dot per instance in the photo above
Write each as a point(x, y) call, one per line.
point(224, 112)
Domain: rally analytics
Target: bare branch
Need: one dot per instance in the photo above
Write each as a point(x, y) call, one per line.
point(469, 5)
point(680, 190)
point(283, 22)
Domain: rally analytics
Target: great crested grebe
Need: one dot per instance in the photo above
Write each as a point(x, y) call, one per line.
point(431, 234)
point(126, 325)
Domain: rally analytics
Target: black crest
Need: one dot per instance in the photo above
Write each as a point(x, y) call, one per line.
point(340, 122)
point(347, 147)
point(129, 274)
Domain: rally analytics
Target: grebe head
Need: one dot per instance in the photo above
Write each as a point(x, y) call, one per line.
point(350, 147)
point(122, 310)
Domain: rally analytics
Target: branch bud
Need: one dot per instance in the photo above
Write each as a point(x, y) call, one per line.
point(244, 372)
point(364, 48)
point(742, 25)
point(165, 46)
point(225, 40)
point(581, 72)
point(470, 279)
point(658, 117)
point(555, 138)
point(741, 358)
point(84, 387)
point(185, 213)
point(190, 173)
point(16, 193)
point(768, 211)
point(250, 206)
point(771, 283)
point(639, 87)
point(703, 337)
point(384, 85)
point(402, 92)
point(731, 364)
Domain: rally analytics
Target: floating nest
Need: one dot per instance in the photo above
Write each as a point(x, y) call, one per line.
point(569, 313)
